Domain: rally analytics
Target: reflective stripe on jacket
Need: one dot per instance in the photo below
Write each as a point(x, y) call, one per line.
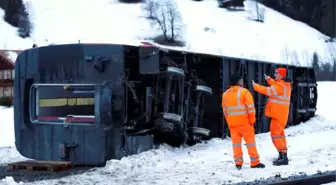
point(279, 93)
point(238, 106)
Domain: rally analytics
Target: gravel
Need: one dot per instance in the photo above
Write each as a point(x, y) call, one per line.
point(32, 176)
point(278, 178)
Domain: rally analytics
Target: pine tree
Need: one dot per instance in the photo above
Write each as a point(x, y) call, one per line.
point(4, 4)
point(326, 73)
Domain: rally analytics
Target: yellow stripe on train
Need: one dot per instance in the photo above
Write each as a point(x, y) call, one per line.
point(56, 102)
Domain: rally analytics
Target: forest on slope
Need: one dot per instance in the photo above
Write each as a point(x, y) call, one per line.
point(312, 12)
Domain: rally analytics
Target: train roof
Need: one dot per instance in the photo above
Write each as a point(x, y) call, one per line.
point(182, 50)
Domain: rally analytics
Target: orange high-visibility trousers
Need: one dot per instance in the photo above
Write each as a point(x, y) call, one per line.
point(246, 132)
point(277, 130)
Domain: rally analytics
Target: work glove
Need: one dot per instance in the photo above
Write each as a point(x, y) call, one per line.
point(266, 77)
point(253, 83)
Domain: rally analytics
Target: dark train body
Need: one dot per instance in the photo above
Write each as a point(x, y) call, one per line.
point(88, 103)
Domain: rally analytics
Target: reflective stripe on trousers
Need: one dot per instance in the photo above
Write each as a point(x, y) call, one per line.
point(254, 158)
point(240, 158)
point(276, 137)
point(281, 149)
point(239, 106)
point(247, 145)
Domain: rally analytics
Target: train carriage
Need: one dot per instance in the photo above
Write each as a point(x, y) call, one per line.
point(89, 103)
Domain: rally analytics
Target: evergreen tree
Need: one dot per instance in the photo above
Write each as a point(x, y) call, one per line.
point(326, 71)
point(4, 4)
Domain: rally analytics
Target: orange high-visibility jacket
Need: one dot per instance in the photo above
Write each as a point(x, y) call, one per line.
point(279, 93)
point(238, 106)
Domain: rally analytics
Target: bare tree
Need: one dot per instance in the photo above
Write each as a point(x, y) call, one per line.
point(305, 57)
point(295, 58)
point(332, 52)
point(166, 17)
point(334, 69)
point(260, 12)
point(149, 7)
point(285, 55)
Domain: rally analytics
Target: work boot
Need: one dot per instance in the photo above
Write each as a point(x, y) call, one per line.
point(238, 166)
point(279, 157)
point(260, 165)
point(283, 160)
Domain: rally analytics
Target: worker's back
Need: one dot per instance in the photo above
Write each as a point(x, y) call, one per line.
point(238, 106)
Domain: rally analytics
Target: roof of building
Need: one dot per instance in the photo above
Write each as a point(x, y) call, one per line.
point(7, 59)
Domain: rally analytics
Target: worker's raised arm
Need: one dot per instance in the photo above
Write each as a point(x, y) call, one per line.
point(260, 89)
point(270, 81)
point(273, 90)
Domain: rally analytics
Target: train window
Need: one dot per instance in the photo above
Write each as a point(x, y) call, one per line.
point(6, 92)
point(311, 93)
point(62, 103)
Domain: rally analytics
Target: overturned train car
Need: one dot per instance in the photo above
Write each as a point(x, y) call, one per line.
point(88, 103)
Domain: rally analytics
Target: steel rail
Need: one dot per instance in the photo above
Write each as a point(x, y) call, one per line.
point(314, 180)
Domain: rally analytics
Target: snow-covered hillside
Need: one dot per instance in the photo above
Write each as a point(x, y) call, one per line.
point(207, 29)
point(312, 148)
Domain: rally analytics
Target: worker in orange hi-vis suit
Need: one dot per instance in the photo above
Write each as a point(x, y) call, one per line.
point(239, 112)
point(277, 108)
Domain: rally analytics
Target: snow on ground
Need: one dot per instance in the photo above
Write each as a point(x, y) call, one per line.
point(6, 127)
point(326, 92)
point(207, 29)
point(8, 152)
point(310, 144)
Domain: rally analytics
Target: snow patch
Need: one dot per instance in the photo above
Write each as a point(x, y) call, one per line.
point(331, 183)
point(279, 39)
point(309, 144)
point(12, 55)
point(8, 181)
point(6, 127)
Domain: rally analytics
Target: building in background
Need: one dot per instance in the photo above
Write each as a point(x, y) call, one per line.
point(7, 73)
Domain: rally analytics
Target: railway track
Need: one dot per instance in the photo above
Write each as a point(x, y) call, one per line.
point(316, 179)
point(35, 176)
point(300, 179)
